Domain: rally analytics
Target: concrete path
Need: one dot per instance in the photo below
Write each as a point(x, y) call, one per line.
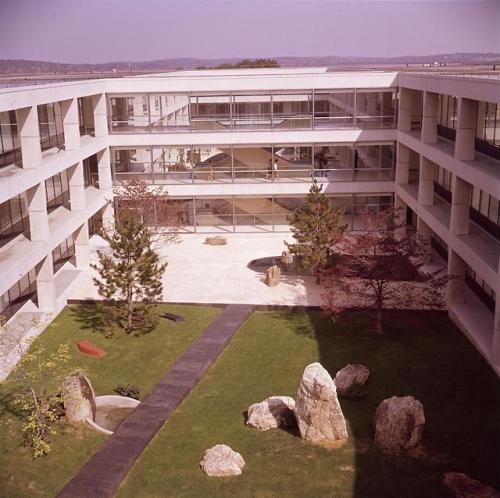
point(102, 474)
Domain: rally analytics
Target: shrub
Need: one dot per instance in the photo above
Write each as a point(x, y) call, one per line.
point(129, 391)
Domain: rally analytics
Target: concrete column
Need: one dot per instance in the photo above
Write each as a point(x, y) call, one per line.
point(29, 135)
point(425, 234)
point(456, 285)
point(100, 115)
point(400, 208)
point(37, 210)
point(460, 205)
point(426, 182)
point(481, 114)
point(404, 116)
point(466, 129)
point(76, 186)
point(108, 216)
point(71, 124)
point(104, 170)
point(82, 251)
point(45, 285)
point(429, 117)
point(402, 165)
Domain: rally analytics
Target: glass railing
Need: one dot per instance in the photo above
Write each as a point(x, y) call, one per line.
point(370, 122)
point(224, 122)
point(142, 171)
point(350, 175)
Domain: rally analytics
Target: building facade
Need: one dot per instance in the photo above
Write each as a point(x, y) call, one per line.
point(237, 151)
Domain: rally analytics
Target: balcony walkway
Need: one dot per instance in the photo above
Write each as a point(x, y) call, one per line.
point(102, 475)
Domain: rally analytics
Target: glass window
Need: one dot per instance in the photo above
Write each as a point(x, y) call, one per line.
point(485, 204)
point(253, 213)
point(86, 115)
point(57, 189)
point(10, 143)
point(91, 172)
point(18, 295)
point(334, 108)
point(375, 109)
point(64, 252)
point(291, 162)
point(476, 198)
point(292, 110)
point(14, 218)
point(214, 214)
point(128, 114)
point(131, 163)
point(169, 112)
point(210, 112)
point(50, 124)
point(252, 111)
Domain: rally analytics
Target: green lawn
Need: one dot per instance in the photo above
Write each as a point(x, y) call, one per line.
point(141, 361)
point(426, 357)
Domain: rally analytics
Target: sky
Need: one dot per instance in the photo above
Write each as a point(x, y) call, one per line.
point(96, 31)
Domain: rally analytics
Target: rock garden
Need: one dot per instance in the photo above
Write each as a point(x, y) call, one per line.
point(295, 406)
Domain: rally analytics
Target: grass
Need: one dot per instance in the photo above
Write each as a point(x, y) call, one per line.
point(426, 357)
point(140, 361)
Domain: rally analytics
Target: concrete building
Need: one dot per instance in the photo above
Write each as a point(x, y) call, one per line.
point(238, 150)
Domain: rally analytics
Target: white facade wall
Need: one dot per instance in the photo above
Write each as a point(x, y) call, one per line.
point(418, 100)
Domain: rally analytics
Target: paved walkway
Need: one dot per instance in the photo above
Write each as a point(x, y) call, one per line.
point(200, 273)
point(102, 474)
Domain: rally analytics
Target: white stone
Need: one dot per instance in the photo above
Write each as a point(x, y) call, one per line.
point(275, 411)
point(78, 398)
point(318, 412)
point(399, 423)
point(221, 460)
point(350, 380)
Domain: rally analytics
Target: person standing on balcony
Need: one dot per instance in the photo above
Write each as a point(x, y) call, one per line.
point(210, 170)
point(269, 173)
point(275, 169)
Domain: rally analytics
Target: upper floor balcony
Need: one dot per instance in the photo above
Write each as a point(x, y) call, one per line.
point(256, 111)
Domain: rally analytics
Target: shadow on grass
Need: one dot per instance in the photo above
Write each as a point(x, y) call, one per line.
point(421, 354)
point(93, 317)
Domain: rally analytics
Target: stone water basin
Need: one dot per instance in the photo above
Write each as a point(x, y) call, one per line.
point(111, 411)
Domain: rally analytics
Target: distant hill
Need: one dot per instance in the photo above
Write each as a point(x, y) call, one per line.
point(28, 67)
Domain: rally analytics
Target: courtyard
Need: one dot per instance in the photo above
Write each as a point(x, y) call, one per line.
point(423, 355)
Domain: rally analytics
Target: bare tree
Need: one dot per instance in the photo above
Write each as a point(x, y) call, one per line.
point(152, 206)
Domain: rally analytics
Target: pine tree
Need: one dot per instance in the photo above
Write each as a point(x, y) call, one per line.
point(316, 226)
point(130, 275)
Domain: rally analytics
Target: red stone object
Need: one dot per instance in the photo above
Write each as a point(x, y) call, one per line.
point(86, 347)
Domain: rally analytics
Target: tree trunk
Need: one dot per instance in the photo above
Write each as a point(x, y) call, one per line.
point(378, 321)
point(130, 310)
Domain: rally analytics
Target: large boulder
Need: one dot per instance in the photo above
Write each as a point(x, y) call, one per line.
point(221, 461)
point(318, 412)
point(216, 240)
point(273, 275)
point(399, 423)
point(276, 411)
point(78, 398)
point(350, 380)
point(462, 486)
